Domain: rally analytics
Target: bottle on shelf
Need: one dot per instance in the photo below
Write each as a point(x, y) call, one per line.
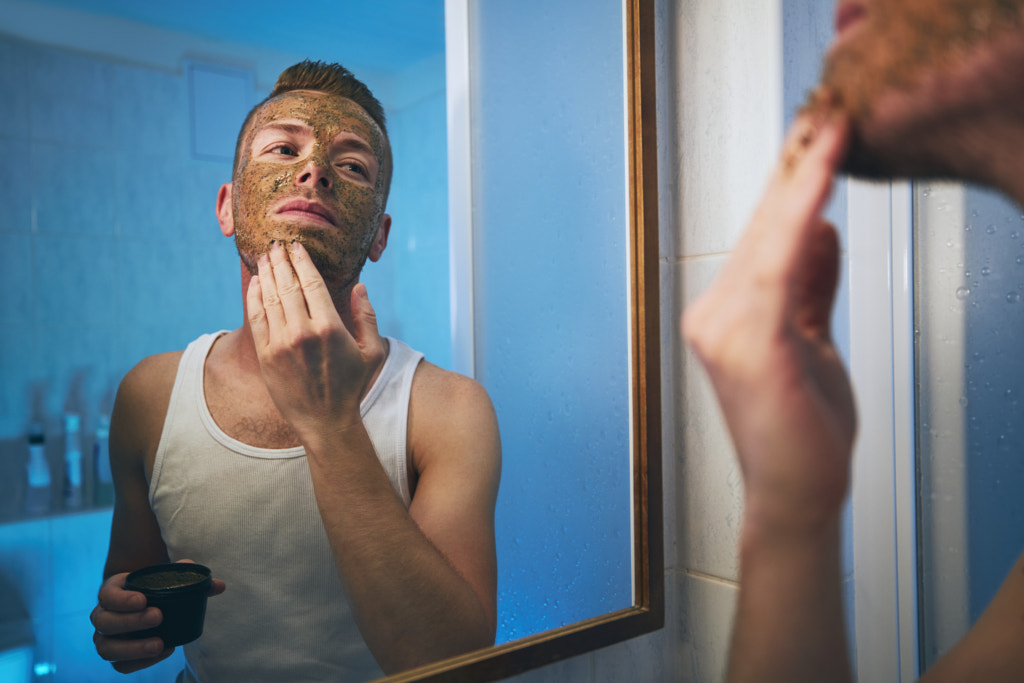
point(72, 462)
point(37, 494)
point(103, 489)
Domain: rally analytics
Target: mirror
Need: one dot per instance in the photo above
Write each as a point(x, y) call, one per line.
point(639, 607)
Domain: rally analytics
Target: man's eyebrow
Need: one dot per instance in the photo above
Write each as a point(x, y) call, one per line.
point(352, 141)
point(284, 126)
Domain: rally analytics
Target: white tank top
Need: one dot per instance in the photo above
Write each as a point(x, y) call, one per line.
point(250, 515)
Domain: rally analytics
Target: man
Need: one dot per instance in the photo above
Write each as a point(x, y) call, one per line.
point(926, 88)
point(341, 489)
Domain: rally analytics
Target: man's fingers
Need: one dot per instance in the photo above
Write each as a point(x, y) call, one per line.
point(289, 289)
point(112, 623)
point(270, 299)
point(318, 299)
point(257, 314)
point(128, 667)
point(364, 320)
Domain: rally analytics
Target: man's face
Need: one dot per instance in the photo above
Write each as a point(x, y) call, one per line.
point(886, 70)
point(311, 171)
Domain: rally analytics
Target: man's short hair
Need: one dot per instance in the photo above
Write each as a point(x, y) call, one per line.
point(332, 79)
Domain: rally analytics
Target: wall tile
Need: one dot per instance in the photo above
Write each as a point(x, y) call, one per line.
point(149, 196)
point(16, 363)
point(215, 292)
point(709, 483)
point(724, 150)
point(705, 617)
point(151, 111)
point(578, 670)
point(69, 99)
point(77, 363)
point(45, 648)
point(157, 275)
point(26, 563)
point(79, 552)
point(73, 190)
point(15, 179)
point(75, 655)
point(14, 105)
point(201, 182)
point(75, 281)
point(16, 279)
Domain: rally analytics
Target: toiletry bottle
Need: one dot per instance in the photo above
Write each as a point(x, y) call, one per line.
point(37, 495)
point(72, 462)
point(103, 489)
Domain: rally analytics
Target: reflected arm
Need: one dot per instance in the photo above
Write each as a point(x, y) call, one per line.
point(422, 580)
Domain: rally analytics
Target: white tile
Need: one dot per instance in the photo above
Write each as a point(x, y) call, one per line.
point(79, 552)
point(577, 669)
point(709, 486)
point(705, 618)
point(26, 564)
point(728, 129)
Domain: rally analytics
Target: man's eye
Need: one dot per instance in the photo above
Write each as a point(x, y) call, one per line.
point(287, 150)
point(354, 167)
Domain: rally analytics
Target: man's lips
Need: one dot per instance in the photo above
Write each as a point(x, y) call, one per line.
point(847, 14)
point(303, 210)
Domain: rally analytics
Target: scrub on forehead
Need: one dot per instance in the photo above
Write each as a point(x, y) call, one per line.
point(293, 138)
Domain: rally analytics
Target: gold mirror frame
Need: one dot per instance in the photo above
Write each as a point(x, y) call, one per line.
point(648, 611)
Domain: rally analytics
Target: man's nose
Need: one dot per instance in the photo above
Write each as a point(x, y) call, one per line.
point(313, 174)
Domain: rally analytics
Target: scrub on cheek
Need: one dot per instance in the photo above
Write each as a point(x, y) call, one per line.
point(305, 170)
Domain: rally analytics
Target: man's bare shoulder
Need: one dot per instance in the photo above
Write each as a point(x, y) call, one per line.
point(434, 382)
point(446, 406)
point(141, 404)
point(151, 376)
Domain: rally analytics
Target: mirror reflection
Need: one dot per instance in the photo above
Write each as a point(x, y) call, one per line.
point(129, 260)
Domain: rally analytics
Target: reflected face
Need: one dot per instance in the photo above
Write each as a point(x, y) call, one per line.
point(311, 171)
point(887, 67)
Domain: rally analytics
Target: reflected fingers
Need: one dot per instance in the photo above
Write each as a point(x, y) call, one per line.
point(314, 290)
point(290, 291)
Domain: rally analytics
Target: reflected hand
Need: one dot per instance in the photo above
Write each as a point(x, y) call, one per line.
point(762, 333)
point(315, 370)
point(122, 612)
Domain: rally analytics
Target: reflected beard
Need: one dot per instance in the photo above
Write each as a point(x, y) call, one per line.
point(335, 275)
point(909, 42)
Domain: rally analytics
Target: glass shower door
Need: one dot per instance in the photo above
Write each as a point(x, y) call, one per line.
point(969, 329)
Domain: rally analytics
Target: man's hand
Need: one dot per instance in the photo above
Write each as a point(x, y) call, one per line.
point(122, 612)
point(315, 370)
point(762, 332)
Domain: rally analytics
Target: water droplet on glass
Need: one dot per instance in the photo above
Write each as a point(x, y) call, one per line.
point(963, 401)
point(962, 293)
point(949, 243)
point(1012, 297)
point(986, 271)
point(991, 229)
point(1020, 260)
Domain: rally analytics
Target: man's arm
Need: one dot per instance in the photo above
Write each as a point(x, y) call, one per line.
point(993, 650)
point(135, 539)
point(762, 332)
point(422, 581)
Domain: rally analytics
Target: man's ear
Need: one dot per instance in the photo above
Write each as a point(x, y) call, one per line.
point(225, 212)
point(380, 240)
